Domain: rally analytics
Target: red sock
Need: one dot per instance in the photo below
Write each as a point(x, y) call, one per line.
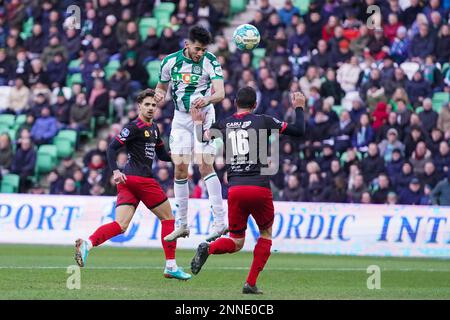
point(104, 233)
point(261, 254)
point(167, 226)
point(222, 245)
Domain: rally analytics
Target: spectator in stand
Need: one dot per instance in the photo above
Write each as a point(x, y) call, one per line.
point(430, 177)
point(61, 109)
point(373, 164)
point(18, 97)
point(440, 195)
point(422, 44)
point(70, 187)
point(392, 198)
point(428, 117)
point(6, 153)
point(442, 48)
point(348, 74)
point(287, 11)
point(383, 189)
point(363, 134)
point(332, 88)
point(98, 99)
point(293, 191)
point(45, 127)
point(343, 132)
point(391, 143)
point(80, 114)
point(419, 157)
point(24, 162)
point(411, 195)
point(320, 59)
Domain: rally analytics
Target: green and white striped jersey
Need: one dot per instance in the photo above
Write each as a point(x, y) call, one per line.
point(189, 80)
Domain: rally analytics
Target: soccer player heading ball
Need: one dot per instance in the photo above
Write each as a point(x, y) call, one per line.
point(143, 141)
point(249, 191)
point(192, 72)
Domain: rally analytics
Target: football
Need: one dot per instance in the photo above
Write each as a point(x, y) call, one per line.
point(246, 37)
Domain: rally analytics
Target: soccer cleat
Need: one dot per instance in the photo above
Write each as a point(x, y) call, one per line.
point(181, 232)
point(217, 232)
point(248, 289)
point(178, 274)
point(200, 257)
point(81, 252)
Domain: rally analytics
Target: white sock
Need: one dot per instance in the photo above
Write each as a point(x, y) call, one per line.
point(215, 197)
point(171, 265)
point(181, 190)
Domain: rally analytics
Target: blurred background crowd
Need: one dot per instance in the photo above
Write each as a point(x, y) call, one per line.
point(377, 84)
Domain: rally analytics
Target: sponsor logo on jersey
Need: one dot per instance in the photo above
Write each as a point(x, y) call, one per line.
point(246, 124)
point(186, 78)
point(234, 124)
point(146, 133)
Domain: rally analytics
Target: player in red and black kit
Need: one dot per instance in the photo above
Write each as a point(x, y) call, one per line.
point(143, 142)
point(249, 185)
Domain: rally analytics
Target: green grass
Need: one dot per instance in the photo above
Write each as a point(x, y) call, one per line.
point(40, 272)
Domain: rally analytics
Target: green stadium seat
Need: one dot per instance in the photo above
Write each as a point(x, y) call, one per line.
point(338, 109)
point(237, 6)
point(4, 129)
point(10, 183)
point(89, 133)
point(153, 71)
point(440, 98)
point(7, 120)
point(27, 28)
point(111, 68)
point(302, 5)
point(418, 110)
point(74, 66)
point(74, 78)
point(167, 6)
point(258, 54)
point(64, 147)
point(146, 23)
point(70, 135)
point(20, 120)
point(47, 156)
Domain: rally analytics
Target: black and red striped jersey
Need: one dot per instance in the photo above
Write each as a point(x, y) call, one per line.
point(143, 142)
point(246, 139)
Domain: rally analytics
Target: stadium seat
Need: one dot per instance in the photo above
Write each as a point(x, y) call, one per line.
point(70, 135)
point(27, 28)
point(7, 120)
point(46, 159)
point(418, 110)
point(146, 23)
point(10, 183)
point(439, 98)
point(91, 131)
point(111, 68)
point(65, 142)
point(258, 54)
point(20, 120)
point(166, 6)
point(74, 66)
point(237, 6)
point(338, 109)
point(74, 78)
point(153, 72)
point(4, 129)
point(302, 5)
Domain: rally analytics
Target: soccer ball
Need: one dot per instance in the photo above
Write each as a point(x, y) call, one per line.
point(246, 37)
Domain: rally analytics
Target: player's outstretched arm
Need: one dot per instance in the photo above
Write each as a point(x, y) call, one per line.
point(160, 92)
point(297, 129)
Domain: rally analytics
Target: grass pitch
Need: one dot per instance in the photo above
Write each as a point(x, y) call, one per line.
point(40, 272)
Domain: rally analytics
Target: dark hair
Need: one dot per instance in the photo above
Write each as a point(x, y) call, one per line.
point(246, 98)
point(200, 34)
point(144, 94)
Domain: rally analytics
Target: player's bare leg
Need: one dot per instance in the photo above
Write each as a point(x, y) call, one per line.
point(124, 214)
point(181, 191)
point(164, 214)
point(214, 188)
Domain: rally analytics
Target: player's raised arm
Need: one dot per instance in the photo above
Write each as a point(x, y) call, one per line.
point(163, 83)
point(296, 129)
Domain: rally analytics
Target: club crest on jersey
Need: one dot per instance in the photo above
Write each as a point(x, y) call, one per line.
point(146, 134)
point(125, 132)
point(246, 124)
point(196, 69)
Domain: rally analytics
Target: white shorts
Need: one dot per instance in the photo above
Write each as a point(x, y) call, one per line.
point(183, 139)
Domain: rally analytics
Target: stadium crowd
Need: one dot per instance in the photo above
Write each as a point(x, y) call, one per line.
point(378, 114)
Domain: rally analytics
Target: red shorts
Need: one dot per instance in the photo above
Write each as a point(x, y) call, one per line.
point(137, 189)
point(249, 200)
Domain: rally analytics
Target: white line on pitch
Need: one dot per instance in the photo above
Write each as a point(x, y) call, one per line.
point(225, 268)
